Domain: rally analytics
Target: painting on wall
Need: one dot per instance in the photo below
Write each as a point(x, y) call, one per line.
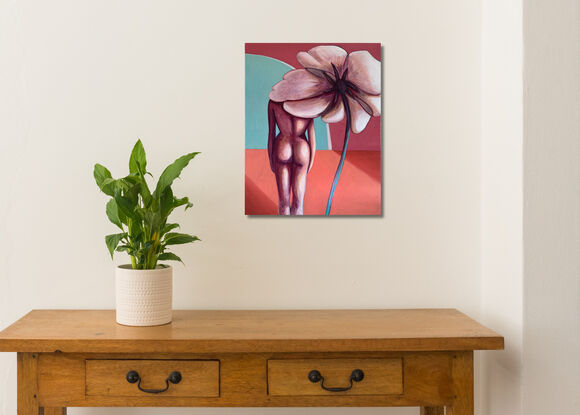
point(313, 129)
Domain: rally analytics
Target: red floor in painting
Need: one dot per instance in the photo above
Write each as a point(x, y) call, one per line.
point(358, 191)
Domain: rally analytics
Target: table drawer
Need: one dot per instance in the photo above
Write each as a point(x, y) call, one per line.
point(199, 378)
point(295, 377)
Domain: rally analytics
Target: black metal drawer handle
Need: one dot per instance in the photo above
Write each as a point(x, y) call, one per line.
point(133, 377)
point(357, 375)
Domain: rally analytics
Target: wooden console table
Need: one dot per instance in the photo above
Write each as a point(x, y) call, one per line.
point(423, 358)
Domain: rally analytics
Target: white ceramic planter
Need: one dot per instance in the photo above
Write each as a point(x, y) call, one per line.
point(143, 296)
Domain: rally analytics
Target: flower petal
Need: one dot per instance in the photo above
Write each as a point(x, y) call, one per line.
point(322, 57)
point(309, 108)
point(298, 84)
point(359, 117)
point(336, 114)
point(372, 101)
point(365, 72)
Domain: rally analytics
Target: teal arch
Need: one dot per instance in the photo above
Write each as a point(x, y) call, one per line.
point(262, 73)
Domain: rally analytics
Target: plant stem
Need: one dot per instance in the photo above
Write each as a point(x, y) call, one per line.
point(342, 157)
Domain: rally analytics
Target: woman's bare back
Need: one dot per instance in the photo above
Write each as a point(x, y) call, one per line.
point(289, 125)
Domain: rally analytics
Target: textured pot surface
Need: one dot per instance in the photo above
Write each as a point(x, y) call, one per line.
point(143, 296)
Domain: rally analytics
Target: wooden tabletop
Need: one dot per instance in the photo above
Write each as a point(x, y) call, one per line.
point(204, 331)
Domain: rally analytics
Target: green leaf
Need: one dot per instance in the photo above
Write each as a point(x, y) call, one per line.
point(132, 191)
point(168, 256)
point(166, 202)
point(136, 232)
point(150, 220)
point(113, 240)
point(113, 213)
point(173, 238)
point(136, 185)
point(108, 186)
point(169, 227)
point(183, 201)
point(111, 186)
point(131, 180)
point(172, 172)
point(101, 173)
point(138, 160)
point(104, 179)
point(145, 192)
point(127, 207)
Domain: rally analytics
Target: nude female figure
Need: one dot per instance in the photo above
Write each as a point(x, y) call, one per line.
point(291, 156)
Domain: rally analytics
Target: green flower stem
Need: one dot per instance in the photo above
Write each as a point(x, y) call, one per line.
point(342, 157)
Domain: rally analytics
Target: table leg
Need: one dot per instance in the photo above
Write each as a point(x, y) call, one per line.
point(462, 374)
point(432, 410)
point(53, 411)
point(27, 384)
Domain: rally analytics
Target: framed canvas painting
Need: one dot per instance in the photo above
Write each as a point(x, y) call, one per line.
point(313, 129)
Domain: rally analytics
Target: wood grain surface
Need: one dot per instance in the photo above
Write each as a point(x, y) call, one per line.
point(108, 377)
point(422, 358)
point(427, 381)
point(27, 365)
point(432, 410)
point(462, 374)
point(202, 331)
point(53, 411)
point(289, 377)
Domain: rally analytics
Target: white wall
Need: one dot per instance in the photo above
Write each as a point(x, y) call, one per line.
point(552, 207)
point(80, 80)
point(501, 203)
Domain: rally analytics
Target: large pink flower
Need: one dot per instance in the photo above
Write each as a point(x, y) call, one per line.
point(331, 76)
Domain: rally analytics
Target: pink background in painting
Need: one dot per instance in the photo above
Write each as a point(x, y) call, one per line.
point(370, 137)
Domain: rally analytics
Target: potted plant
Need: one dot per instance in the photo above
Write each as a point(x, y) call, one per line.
point(144, 288)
